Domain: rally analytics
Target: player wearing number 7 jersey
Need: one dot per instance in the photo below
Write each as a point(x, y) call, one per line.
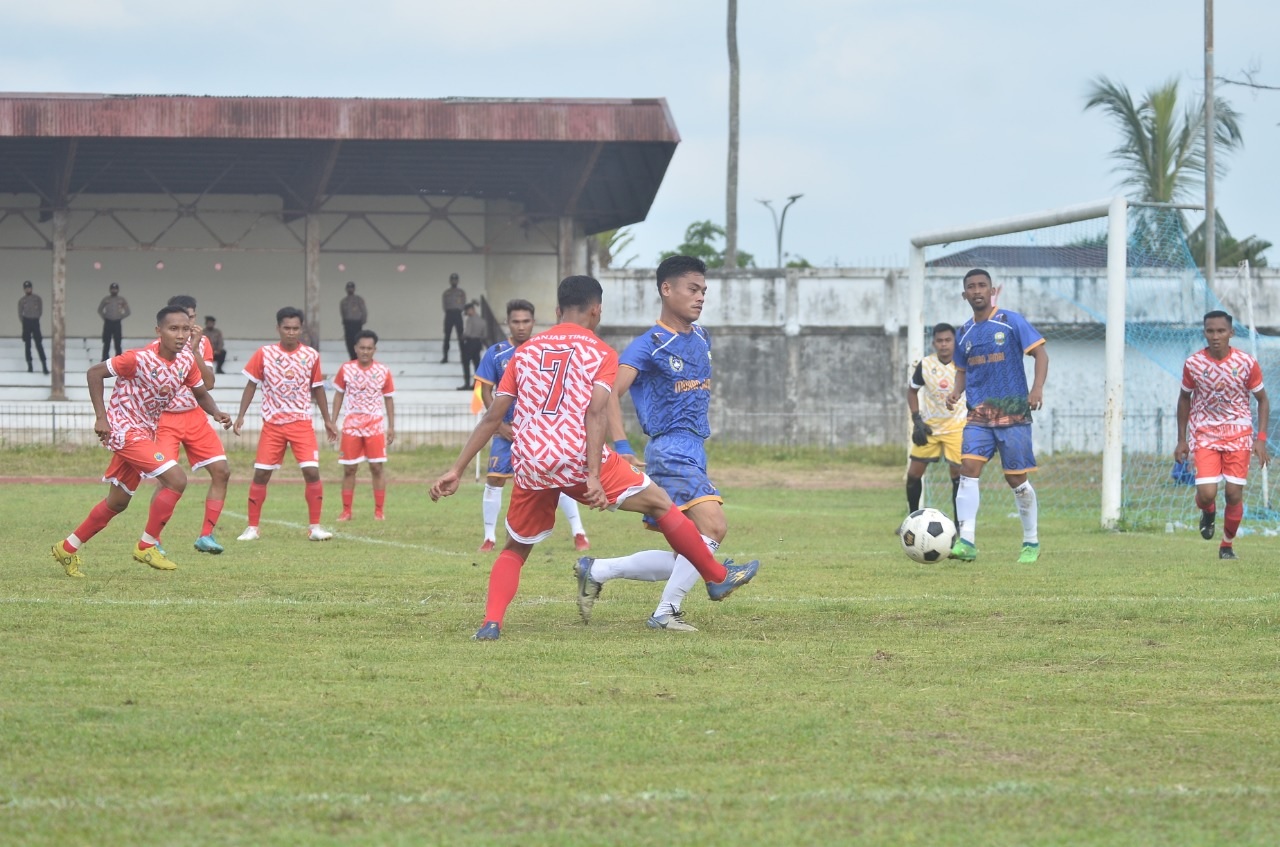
point(560, 382)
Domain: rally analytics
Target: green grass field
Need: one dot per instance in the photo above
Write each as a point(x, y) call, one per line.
point(1122, 691)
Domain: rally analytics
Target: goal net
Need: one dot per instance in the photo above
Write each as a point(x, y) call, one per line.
point(1054, 268)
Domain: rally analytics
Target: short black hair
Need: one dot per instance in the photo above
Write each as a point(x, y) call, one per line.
point(351, 284)
point(26, 284)
point(977, 272)
point(579, 291)
point(518, 305)
point(1218, 313)
point(184, 301)
point(937, 328)
point(208, 318)
point(169, 310)
point(289, 312)
point(367, 333)
point(677, 266)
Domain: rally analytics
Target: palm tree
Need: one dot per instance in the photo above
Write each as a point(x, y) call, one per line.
point(1162, 150)
point(1229, 251)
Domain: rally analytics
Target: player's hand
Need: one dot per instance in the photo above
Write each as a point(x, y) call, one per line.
point(1035, 400)
point(951, 400)
point(505, 430)
point(391, 435)
point(331, 432)
point(1181, 451)
point(444, 486)
point(1260, 450)
point(101, 428)
point(196, 332)
point(631, 459)
point(595, 497)
point(920, 431)
point(238, 424)
point(224, 419)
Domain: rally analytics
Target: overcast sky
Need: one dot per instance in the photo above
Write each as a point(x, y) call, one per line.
point(890, 117)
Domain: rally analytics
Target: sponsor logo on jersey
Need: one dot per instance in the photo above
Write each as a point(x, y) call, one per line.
point(159, 457)
point(999, 338)
point(677, 364)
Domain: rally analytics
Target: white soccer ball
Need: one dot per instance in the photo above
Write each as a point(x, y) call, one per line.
point(927, 536)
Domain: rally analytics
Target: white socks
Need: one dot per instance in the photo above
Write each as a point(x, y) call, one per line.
point(490, 505)
point(967, 508)
point(645, 566)
point(1028, 512)
point(684, 577)
point(570, 508)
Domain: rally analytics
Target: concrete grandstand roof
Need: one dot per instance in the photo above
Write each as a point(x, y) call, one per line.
point(598, 160)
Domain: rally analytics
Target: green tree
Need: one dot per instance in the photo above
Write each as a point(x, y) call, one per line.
point(1230, 250)
point(699, 242)
point(1162, 147)
point(610, 245)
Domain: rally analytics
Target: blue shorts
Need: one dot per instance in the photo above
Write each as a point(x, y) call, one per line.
point(678, 464)
point(500, 457)
point(1013, 443)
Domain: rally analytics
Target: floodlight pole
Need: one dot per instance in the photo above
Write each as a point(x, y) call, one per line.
point(779, 221)
point(1210, 222)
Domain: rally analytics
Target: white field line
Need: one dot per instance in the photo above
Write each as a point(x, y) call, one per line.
point(346, 536)
point(1012, 790)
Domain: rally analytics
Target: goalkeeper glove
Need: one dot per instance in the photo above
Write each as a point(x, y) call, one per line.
point(920, 431)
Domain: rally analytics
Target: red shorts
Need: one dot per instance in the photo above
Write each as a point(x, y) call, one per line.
point(300, 436)
point(136, 461)
point(359, 448)
point(1214, 466)
point(193, 430)
point(531, 514)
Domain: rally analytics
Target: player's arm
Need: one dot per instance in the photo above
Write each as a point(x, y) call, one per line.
point(1035, 397)
point(321, 397)
point(597, 425)
point(1264, 415)
point(617, 430)
point(486, 397)
point(448, 483)
point(957, 390)
point(339, 395)
point(246, 397)
point(96, 377)
point(389, 402)
point(1181, 450)
point(206, 402)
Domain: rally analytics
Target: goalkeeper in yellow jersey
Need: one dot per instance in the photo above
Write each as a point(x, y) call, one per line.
point(936, 431)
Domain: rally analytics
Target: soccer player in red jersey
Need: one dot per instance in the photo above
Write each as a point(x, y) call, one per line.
point(183, 424)
point(560, 382)
point(366, 387)
point(1214, 421)
point(289, 373)
point(146, 379)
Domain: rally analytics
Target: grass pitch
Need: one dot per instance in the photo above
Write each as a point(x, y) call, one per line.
point(1121, 691)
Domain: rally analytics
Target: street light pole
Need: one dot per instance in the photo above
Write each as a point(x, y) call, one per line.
point(779, 221)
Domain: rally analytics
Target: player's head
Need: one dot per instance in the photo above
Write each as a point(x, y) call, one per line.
point(677, 266)
point(173, 327)
point(682, 285)
point(978, 290)
point(519, 321)
point(1218, 330)
point(289, 325)
point(184, 301)
point(366, 346)
point(579, 300)
point(944, 341)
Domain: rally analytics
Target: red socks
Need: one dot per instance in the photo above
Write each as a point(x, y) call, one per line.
point(257, 496)
point(1232, 522)
point(99, 516)
point(685, 539)
point(315, 500)
point(212, 511)
point(162, 506)
point(347, 497)
point(504, 581)
point(379, 498)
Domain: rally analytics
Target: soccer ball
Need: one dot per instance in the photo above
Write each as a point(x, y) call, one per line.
point(927, 536)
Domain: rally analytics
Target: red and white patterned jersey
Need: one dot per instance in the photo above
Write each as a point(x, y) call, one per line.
point(552, 376)
point(363, 390)
point(1220, 418)
point(183, 400)
point(286, 380)
point(145, 384)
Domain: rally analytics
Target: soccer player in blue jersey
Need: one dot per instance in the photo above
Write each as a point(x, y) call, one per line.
point(668, 371)
point(488, 374)
point(990, 375)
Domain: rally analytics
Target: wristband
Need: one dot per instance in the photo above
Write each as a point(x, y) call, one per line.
point(1261, 436)
point(623, 447)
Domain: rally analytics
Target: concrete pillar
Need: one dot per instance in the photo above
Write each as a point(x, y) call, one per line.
point(58, 308)
point(311, 296)
point(567, 248)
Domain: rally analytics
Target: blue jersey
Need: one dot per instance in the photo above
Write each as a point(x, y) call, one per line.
point(493, 364)
point(990, 354)
point(672, 388)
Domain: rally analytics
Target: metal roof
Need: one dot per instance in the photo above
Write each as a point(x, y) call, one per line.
point(598, 160)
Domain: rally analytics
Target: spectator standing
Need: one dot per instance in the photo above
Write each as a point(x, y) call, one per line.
point(474, 331)
point(214, 335)
point(354, 314)
point(452, 301)
point(30, 309)
point(113, 310)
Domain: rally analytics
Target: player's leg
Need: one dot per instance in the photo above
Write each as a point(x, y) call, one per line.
point(1235, 472)
point(570, 508)
point(978, 448)
point(204, 450)
point(1209, 474)
point(491, 500)
point(306, 452)
point(1018, 459)
point(530, 518)
point(350, 455)
point(375, 452)
point(123, 479)
point(915, 483)
point(271, 446)
point(708, 516)
point(219, 478)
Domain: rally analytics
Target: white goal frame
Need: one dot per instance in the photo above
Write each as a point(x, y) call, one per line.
point(1116, 210)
